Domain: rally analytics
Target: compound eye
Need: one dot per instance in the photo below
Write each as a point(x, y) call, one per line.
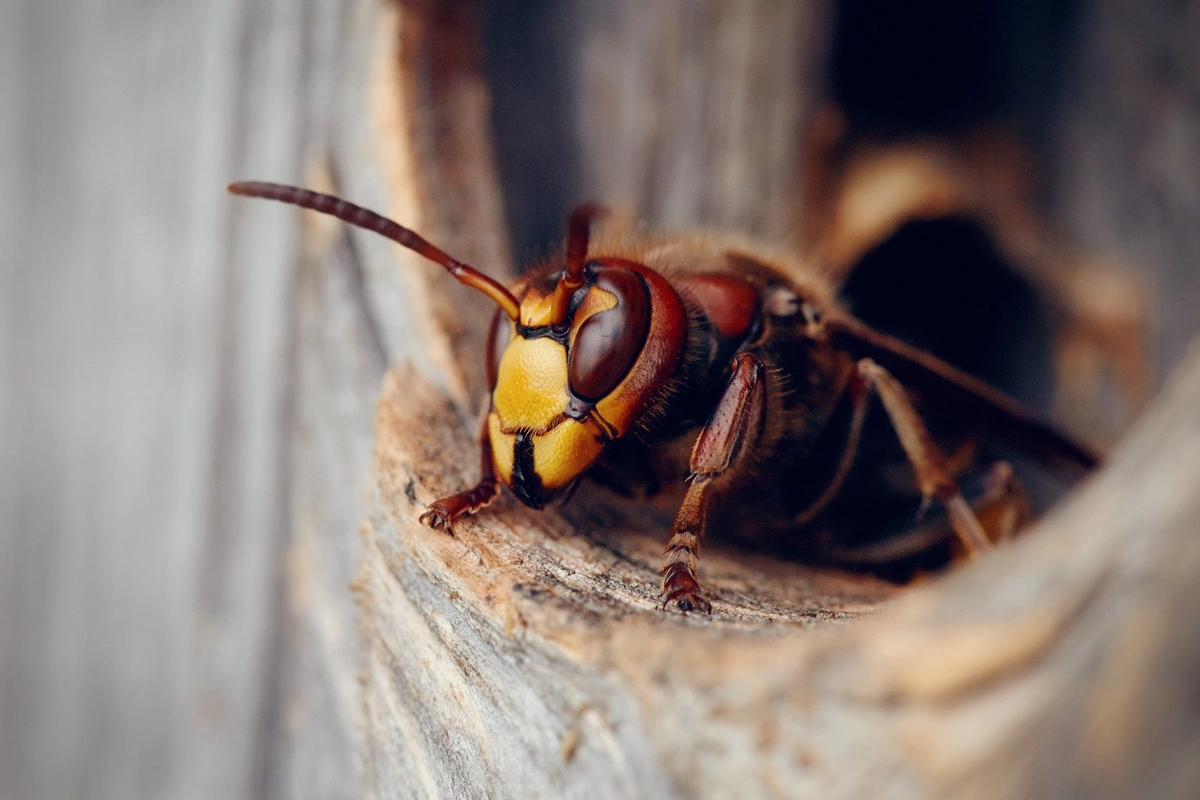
point(608, 342)
point(497, 340)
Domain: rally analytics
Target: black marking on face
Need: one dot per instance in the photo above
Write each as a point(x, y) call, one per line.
point(526, 483)
point(543, 332)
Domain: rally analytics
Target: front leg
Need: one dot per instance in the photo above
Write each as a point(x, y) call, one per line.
point(733, 430)
point(442, 513)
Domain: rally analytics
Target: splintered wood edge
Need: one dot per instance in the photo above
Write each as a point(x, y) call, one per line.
point(988, 656)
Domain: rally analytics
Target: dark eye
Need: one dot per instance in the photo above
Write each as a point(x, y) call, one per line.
point(608, 343)
point(497, 340)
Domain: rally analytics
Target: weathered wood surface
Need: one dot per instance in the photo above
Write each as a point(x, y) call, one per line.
point(188, 402)
point(682, 113)
point(528, 656)
point(1125, 160)
point(187, 399)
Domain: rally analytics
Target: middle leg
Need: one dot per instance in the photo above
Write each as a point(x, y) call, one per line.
point(734, 428)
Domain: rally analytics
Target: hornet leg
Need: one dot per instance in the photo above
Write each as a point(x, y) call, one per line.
point(933, 478)
point(442, 513)
point(732, 431)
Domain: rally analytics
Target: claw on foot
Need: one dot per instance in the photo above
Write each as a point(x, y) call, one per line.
point(441, 513)
point(688, 601)
point(437, 518)
point(681, 589)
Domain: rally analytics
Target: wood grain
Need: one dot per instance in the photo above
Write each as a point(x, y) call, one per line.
point(189, 404)
point(155, 469)
point(1126, 154)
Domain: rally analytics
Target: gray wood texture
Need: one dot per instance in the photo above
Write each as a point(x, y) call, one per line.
point(160, 466)
point(188, 389)
point(1125, 165)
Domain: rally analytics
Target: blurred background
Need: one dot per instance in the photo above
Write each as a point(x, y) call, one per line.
point(187, 382)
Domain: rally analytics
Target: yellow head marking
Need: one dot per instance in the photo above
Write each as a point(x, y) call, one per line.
point(560, 455)
point(531, 385)
point(535, 310)
point(502, 449)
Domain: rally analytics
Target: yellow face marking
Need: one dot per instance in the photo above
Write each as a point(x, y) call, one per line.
point(535, 310)
point(615, 407)
point(532, 393)
point(560, 455)
point(531, 385)
point(502, 449)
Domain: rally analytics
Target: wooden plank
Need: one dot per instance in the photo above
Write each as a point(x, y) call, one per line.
point(148, 465)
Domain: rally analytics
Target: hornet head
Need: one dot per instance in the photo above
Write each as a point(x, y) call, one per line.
point(594, 341)
point(572, 364)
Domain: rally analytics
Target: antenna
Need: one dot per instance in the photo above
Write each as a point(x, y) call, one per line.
point(579, 227)
point(362, 218)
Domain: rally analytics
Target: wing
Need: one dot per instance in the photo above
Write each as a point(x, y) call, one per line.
point(931, 376)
